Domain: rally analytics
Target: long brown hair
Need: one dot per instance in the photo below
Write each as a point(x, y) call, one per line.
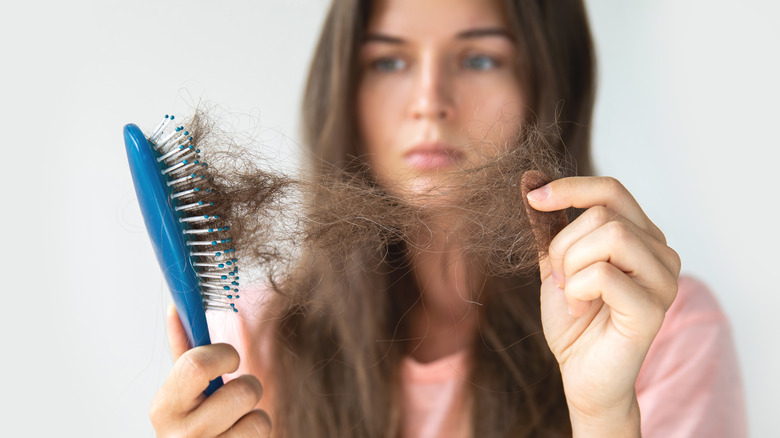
point(330, 374)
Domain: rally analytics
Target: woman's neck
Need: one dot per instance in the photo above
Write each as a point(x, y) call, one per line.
point(444, 320)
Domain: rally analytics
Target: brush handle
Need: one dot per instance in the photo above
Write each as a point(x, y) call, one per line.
point(167, 238)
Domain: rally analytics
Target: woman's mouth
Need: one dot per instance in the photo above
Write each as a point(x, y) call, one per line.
point(428, 156)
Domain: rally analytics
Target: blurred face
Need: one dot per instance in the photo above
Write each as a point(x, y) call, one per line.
point(438, 91)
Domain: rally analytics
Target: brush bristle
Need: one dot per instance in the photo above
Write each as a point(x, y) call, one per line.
point(207, 237)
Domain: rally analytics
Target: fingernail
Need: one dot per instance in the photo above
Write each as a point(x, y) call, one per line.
point(539, 194)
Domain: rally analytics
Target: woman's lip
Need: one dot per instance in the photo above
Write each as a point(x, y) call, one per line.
point(426, 156)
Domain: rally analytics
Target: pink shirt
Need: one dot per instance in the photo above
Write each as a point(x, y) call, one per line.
point(689, 384)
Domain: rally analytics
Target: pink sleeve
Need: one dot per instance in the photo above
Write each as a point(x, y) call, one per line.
point(689, 384)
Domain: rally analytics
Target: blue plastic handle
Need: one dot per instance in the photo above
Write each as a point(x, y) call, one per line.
point(167, 238)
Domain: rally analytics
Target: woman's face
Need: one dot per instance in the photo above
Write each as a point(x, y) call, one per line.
point(438, 91)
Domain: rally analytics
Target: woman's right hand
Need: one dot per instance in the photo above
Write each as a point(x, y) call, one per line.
point(180, 409)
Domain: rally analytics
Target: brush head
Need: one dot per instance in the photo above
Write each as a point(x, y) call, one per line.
point(192, 243)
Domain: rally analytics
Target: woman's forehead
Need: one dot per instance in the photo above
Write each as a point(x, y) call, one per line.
point(418, 19)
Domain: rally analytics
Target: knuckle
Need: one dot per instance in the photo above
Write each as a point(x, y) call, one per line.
point(246, 391)
point(618, 231)
point(162, 419)
point(259, 422)
point(657, 233)
point(192, 365)
point(598, 216)
point(670, 293)
point(603, 271)
point(556, 249)
point(613, 185)
point(156, 412)
point(676, 263)
point(161, 410)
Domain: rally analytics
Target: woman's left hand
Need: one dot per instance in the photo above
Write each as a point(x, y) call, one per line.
point(607, 282)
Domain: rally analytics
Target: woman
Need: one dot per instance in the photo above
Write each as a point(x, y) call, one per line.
point(426, 343)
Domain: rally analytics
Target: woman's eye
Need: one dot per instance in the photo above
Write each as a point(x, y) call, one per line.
point(387, 65)
point(479, 62)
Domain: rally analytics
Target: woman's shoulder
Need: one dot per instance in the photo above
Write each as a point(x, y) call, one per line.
point(690, 381)
point(694, 317)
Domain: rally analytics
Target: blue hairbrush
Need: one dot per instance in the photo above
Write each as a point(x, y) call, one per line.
point(191, 242)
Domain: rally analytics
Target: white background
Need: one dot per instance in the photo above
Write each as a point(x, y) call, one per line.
point(686, 117)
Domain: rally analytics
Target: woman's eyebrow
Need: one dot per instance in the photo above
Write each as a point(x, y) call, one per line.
point(485, 32)
point(375, 37)
point(382, 38)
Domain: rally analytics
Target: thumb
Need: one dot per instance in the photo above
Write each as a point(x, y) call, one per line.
point(545, 225)
point(177, 337)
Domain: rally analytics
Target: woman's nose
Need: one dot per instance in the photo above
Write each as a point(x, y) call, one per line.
point(432, 94)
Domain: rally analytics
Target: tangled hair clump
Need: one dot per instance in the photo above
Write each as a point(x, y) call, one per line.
point(274, 217)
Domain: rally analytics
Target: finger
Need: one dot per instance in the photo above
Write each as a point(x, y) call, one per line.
point(619, 243)
point(254, 424)
point(633, 311)
point(177, 337)
point(601, 234)
point(587, 192)
point(193, 371)
point(226, 406)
